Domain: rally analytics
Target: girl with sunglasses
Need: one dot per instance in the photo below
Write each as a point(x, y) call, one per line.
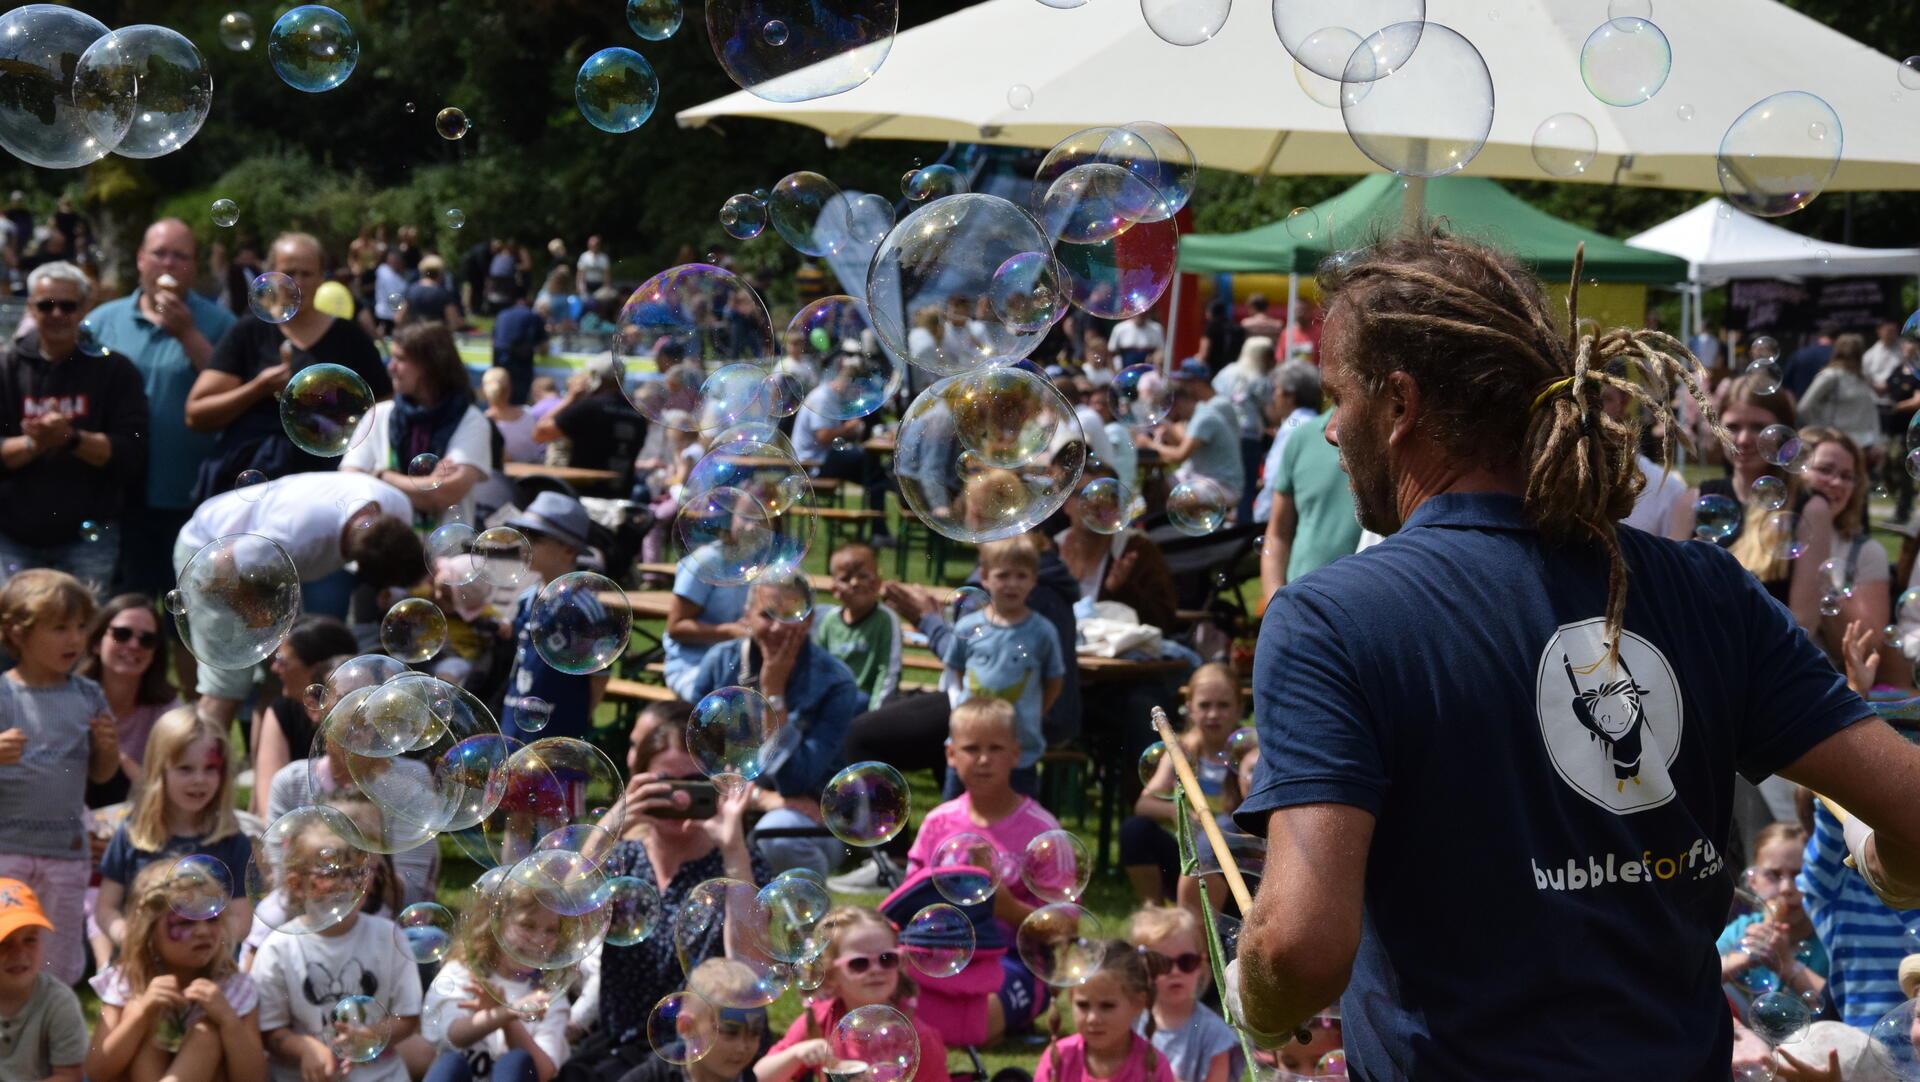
point(862, 961)
point(1198, 1045)
point(127, 657)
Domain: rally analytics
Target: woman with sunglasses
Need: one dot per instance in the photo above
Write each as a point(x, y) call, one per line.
point(127, 657)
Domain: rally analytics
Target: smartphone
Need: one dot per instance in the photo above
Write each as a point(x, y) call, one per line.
point(702, 801)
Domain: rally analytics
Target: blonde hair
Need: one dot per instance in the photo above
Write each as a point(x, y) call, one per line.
point(1219, 672)
point(149, 900)
point(38, 595)
point(495, 380)
point(1158, 922)
point(833, 928)
point(1016, 552)
point(984, 711)
point(176, 731)
point(723, 980)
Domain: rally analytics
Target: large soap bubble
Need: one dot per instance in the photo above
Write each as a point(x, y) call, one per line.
point(313, 48)
point(549, 911)
point(40, 50)
point(1893, 1041)
point(938, 941)
point(881, 1037)
point(427, 754)
point(1185, 22)
point(1168, 164)
point(857, 383)
point(727, 731)
point(1322, 34)
point(616, 90)
point(1056, 866)
point(784, 495)
point(239, 595)
point(550, 784)
point(306, 874)
point(726, 916)
point(1565, 144)
point(1780, 153)
point(1028, 292)
point(580, 622)
point(944, 256)
point(945, 453)
point(794, 905)
point(1420, 112)
point(1062, 944)
point(865, 804)
point(797, 50)
point(694, 315)
point(1124, 275)
point(797, 207)
point(428, 930)
point(322, 406)
point(145, 90)
point(1625, 61)
point(1095, 202)
point(413, 630)
point(726, 531)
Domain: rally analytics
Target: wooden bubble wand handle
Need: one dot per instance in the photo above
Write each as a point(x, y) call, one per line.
point(1197, 801)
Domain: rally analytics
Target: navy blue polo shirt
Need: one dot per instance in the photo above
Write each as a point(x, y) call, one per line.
point(1547, 874)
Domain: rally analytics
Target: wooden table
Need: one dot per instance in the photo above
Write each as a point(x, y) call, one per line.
point(573, 475)
point(881, 445)
point(1119, 670)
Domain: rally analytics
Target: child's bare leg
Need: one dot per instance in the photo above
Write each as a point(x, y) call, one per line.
point(200, 1056)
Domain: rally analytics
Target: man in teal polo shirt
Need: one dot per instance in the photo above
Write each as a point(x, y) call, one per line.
point(169, 332)
point(1312, 523)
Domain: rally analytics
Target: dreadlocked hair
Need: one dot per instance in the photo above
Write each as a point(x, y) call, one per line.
point(1119, 959)
point(1501, 385)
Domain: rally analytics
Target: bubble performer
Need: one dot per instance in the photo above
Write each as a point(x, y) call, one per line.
point(1446, 837)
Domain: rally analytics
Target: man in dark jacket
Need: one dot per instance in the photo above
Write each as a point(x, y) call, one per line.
point(73, 438)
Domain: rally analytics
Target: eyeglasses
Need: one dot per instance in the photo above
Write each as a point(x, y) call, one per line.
point(857, 964)
point(147, 639)
point(1157, 963)
point(64, 307)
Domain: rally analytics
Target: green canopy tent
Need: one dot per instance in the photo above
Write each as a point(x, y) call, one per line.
point(1472, 206)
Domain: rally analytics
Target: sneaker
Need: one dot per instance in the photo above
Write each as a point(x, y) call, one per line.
point(878, 873)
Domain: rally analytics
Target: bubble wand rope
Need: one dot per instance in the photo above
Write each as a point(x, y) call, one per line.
point(1197, 800)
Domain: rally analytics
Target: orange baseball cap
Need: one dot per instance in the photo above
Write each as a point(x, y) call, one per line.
point(20, 908)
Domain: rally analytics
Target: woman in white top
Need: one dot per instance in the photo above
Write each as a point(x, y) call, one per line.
point(1840, 397)
point(431, 414)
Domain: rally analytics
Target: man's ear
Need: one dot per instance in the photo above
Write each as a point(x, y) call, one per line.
point(1403, 406)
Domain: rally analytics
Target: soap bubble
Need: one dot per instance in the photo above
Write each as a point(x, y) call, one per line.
point(682, 1027)
point(788, 595)
point(1143, 396)
point(799, 203)
point(313, 48)
point(273, 297)
point(1020, 97)
point(1419, 112)
point(1331, 42)
point(145, 90)
point(1778, 1017)
point(616, 90)
point(456, 218)
point(726, 732)
point(1198, 506)
point(727, 529)
point(1909, 73)
point(322, 406)
point(945, 255)
point(427, 928)
point(427, 754)
point(1185, 22)
point(240, 595)
point(1565, 144)
point(1715, 517)
point(746, 392)
point(1767, 375)
point(938, 941)
point(1157, 155)
point(814, 51)
point(1763, 347)
point(413, 630)
point(306, 874)
point(1122, 276)
point(743, 216)
point(41, 46)
point(860, 383)
point(964, 602)
point(175, 601)
point(551, 783)
point(450, 547)
point(1303, 223)
point(674, 309)
point(1301, 23)
point(421, 470)
point(633, 909)
point(1062, 944)
point(225, 213)
point(580, 622)
point(935, 181)
point(543, 914)
point(654, 20)
point(1779, 154)
point(1106, 507)
point(451, 123)
point(1769, 492)
point(1892, 1041)
point(765, 471)
point(865, 804)
point(1096, 202)
point(236, 31)
point(1150, 761)
point(968, 868)
point(360, 1029)
point(988, 454)
point(1913, 463)
point(1056, 866)
point(199, 887)
point(1780, 533)
point(502, 556)
point(1630, 9)
point(1026, 292)
point(794, 905)
point(852, 226)
point(881, 1037)
point(248, 484)
point(1779, 444)
point(728, 913)
point(1625, 61)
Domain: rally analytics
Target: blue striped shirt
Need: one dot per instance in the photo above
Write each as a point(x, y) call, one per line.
point(1864, 938)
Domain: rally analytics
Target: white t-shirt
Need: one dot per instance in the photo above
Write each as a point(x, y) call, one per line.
point(442, 1008)
point(593, 268)
point(1095, 431)
point(301, 977)
point(1654, 509)
point(471, 445)
point(303, 512)
point(1143, 335)
point(1879, 362)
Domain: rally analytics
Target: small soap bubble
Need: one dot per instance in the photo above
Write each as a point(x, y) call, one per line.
point(1303, 223)
point(633, 908)
point(532, 714)
point(938, 942)
point(236, 31)
point(452, 123)
point(316, 697)
point(774, 33)
point(1909, 73)
point(361, 1029)
point(1150, 761)
point(1198, 506)
point(681, 1028)
point(1913, 463)
point(321, 408)
point(1243, 742)
point(1020, 97)
point(423, 469)
point(1781, 534)
point(966, 601)
point(1779, 444)
point(502, 555)
point(413, 630)
point(427, 928)
point(1769, 492)
point(1685, 113)
point(1565, 144)
point(1026, 292)
point(1778, 1017)
point(1143, 396)
point(1715, 517)
point(654, 20)
point(455, 217)
point(616, 90)
point(727, 731)
point(1062, 944)
point(580, 622)
point(881, 1037)
point(976, 868)
point(273, 297)
point(934, 182)
point(1056, 866)
point(866, 804)
point(786, 595)
point(794, 905)
point(1766, 373)
point(199, 887)
point(743, 216)
point(176, 602)
point(1625, 61)
point(1105, 505)
point(225, 213)
point(797, 209)
point(313, 48)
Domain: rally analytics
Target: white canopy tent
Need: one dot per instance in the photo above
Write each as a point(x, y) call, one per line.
point(1237, 102)
point(1721, 243)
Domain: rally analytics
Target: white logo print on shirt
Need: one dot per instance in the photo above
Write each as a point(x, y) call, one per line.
point(1610, 730)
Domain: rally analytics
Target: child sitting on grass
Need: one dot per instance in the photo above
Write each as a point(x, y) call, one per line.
point(1197, 1043)
point(47, 1030)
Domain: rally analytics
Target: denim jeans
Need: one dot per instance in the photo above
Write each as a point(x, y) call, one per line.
point(90, 561)
point(451, 1066)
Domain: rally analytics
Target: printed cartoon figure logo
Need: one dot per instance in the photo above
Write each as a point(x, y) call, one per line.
point(324, 987)
point(1610, 728)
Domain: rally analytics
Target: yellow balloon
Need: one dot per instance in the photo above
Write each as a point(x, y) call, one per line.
point(333, 299)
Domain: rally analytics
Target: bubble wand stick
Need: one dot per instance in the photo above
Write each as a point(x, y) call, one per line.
point(1197, 799)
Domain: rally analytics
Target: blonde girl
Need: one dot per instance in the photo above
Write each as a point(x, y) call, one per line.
point(185, 807)
point(862, 963)
point(1105, 1009)
point(1148, 852)
point(175, 1005)
point(486, 1011)
point(1198, 1045)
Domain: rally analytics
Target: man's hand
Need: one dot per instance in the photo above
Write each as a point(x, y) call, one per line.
point(13, 744)
point(172, 312)
point(49, 430)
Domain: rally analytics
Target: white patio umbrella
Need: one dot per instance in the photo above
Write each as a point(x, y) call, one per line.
point(1237, 102)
